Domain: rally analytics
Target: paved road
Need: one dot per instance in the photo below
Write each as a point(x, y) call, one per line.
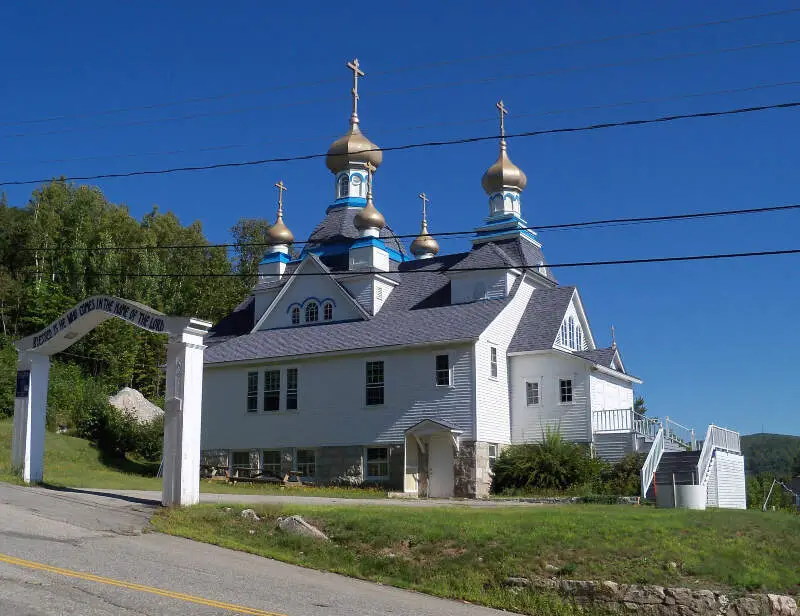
point(82, 553)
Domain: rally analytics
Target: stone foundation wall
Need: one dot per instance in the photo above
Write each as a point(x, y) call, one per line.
point(660, 600)
point(464, 470)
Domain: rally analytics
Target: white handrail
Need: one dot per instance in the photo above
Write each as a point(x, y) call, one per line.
point(651, 462)
point(716, 438)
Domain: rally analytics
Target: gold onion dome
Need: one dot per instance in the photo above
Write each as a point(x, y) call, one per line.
point(279, 233)
point(503, 174)
point(424, 244)
point(369, 217)
point(352, 148)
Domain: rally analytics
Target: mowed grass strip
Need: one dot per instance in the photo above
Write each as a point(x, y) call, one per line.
point(76, 463)
point(464, 553)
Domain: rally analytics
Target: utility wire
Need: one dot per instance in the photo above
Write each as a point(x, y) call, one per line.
point(414, 89)
point(426, 144)
point(441, 234)
point(704, 257)
point(483, 120)
point(412, 67)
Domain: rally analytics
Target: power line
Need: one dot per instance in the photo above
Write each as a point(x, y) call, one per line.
point(443, 234)
point(704, 257)
point(483, 120)
point(414, 89)
point(426, 144)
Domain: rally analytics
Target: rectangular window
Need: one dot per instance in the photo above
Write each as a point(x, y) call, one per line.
point(272, 390)
point(377, 462)
point(565, 386)
point(240, 466)
point(374, 383)
point(252, 392)
point(291, 389)
point(493, 362)
point(492, 455)
point(272, 462)
point(531, 393)
point(306, 462)
point(443, 370)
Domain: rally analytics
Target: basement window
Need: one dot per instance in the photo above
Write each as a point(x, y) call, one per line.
point(306, 462)
point(377, 463)
point(240, 466)
point(271, 465)
point(492, 455)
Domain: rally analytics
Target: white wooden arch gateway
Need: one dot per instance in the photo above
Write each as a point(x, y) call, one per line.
point(181, 483)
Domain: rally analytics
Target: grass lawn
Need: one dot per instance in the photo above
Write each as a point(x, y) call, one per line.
point(466, 554)
point(76, 463)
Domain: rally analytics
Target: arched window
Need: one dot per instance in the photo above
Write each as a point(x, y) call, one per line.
point(579, 338)
point(327, 311)
point(344, 186)
point(295, 315)
point(312, 312)
point(357, 185)
point(571, 330)
point(564, 333)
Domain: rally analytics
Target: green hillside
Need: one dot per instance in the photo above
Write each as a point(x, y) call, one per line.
point(778, 454)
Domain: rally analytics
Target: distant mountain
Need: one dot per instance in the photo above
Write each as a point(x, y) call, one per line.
point(770, 453)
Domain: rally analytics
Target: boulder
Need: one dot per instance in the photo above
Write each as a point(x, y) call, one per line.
point(133, 403)
point(249, 514)
point(295, 525)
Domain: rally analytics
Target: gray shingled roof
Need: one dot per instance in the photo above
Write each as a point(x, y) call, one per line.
point(337, 226)
point(603, 357)
point(485, 256)
point(539, 325)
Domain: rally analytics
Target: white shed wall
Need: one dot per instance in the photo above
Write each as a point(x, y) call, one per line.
point(492, 394)
point(529, 423)
point(726, 486)
point(609, 393)
point(331, 401)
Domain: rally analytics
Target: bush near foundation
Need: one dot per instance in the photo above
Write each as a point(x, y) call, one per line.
point(559, 466)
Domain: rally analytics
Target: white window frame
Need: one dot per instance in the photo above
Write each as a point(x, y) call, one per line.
point(538, 384)
point(494, 361)
point(436, 370)
point(571, 390)
point(311, 310)
point(493, 452)
point(367, 385)
point(252, 394)
point(296, 461)
point(287, 390)
point(294, 315)
point(278, 474)
point(327, 309)
point(280, 388)
point(367, 475)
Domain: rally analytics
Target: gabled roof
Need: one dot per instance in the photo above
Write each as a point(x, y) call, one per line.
point(542, 318)
point(485, 256)
point(603, 357)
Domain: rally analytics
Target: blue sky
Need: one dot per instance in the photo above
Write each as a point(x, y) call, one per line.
point(713, 341)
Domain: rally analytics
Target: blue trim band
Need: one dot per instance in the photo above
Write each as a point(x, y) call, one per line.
point(275, 257)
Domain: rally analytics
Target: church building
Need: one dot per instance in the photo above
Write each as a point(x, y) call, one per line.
point(358, 359)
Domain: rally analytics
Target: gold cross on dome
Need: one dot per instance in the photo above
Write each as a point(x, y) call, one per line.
point(425, 202)
point(281, 187)
point(357, 72)
point(503, 111)
point(370, 170)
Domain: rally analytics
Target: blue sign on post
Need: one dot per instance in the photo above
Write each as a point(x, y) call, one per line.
point(23, 383)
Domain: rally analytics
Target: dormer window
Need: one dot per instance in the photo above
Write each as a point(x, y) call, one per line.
point(296, 315)
point(327, 311)
point(312, 312)
point(356, 182)
point(344, 186)
point(571, 335)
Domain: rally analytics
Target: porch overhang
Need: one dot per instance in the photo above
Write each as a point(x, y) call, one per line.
point(430, 427)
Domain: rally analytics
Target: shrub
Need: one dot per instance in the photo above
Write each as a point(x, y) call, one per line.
point(624, 478)
point(553, 464)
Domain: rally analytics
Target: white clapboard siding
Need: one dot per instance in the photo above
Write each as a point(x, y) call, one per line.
point(610, 393)
point(530, 423)
point(726, 486)
point(614, 446)
point(492, 394)
point(331, 397)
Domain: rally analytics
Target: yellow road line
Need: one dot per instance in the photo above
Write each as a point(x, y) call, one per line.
point(89, 577)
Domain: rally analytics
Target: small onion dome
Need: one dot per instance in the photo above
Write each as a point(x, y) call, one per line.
point(503, 174)
point(279, 233)
point(353, 147)
point(424, 244)
point(369, 217)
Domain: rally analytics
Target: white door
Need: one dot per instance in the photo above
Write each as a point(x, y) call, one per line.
point(440, 466)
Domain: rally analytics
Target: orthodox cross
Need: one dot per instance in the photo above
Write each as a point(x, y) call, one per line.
point(281, 187)
point(357, 72)
point(503, 111)
point(370, 170)
point(425, 202)
point(613, 338)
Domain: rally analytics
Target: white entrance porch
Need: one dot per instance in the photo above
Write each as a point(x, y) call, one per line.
point(430, 448)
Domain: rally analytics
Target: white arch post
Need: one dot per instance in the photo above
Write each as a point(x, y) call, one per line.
point(181, 483)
